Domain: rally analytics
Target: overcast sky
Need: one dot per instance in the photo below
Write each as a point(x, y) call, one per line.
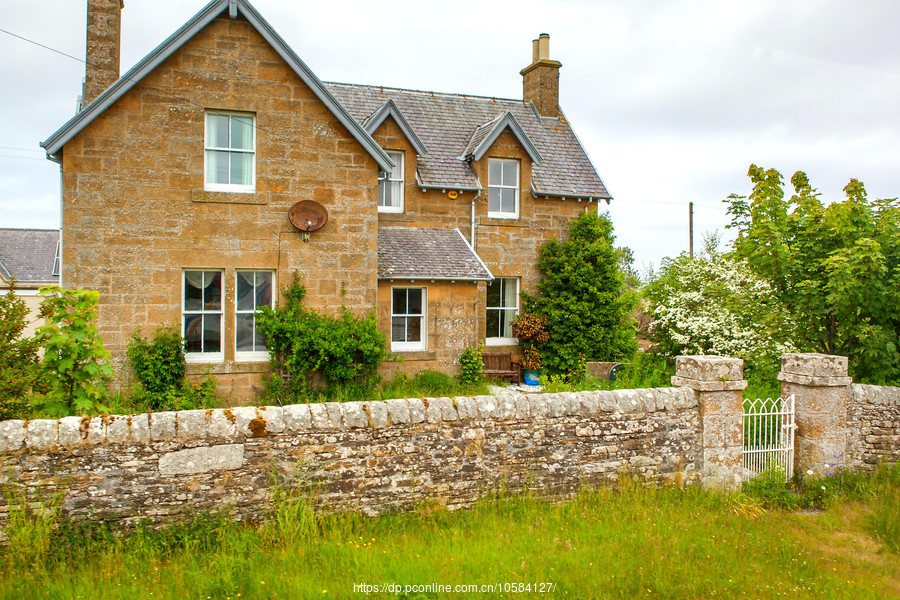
point(672, 100)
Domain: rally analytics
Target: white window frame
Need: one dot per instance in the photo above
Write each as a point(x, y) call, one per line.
point(503, 341)
point(422, 344)
point(204, 357)
point(396, 181)
point(501, 185)
point(253, 355)
point(208, 149)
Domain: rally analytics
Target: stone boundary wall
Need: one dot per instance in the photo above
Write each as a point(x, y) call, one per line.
point(372, 457)
point(874, 425)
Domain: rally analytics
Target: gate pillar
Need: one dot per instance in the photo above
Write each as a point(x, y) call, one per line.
point(719, 385)
point(821, 388)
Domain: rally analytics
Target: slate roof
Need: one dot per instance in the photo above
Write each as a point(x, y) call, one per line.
point(28, 255)
point(428, 253)
point(447, 124)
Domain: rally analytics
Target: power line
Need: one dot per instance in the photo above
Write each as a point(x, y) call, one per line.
point(22, 149)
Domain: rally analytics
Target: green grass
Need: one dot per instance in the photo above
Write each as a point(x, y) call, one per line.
point(640, 542)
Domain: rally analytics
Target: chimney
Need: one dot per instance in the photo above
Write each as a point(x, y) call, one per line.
point(104, 32)
point(540, 79)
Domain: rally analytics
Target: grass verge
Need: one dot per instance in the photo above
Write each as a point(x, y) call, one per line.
point(639, 542)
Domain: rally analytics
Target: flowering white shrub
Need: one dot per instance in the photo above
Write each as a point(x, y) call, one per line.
point(716, 305)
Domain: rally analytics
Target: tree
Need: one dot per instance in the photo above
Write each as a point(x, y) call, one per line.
point(582, 296)
point(18, 356)
point(714, 304)
point(75, 364)
point(835, 267)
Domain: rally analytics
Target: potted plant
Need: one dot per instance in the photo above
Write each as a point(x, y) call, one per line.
point(530, 329)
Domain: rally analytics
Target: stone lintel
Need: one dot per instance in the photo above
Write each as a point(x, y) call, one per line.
point(709, 368)
point(709, 386)
point(814, 365)
point(814, 381)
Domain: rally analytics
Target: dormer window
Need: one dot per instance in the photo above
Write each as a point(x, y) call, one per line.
point(390, 189)
point(230, 152)
point(503, 188)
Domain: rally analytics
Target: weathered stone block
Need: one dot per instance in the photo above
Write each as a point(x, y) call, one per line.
point(572, 403)
point(274, 418)
point(709, 368)
point(506, 408)
point(556, 406)
point(42, 434)
point(378, 413)
point(247, 422)
point(432, 410)
point(69, 432)
point(607, 401)
point(466, 408)
point(335, 415)
point(646, 400)
point(139, 428)
point(539, 406)
point(627, 401)
point(118, 430)
point(297, 417)
point(523, 408)
point(487, 407)
point(398, 411)
point(221, 424)
point(588, 402)
point(202, 460)
point(191, 424)
point(448, 409)
point(96, 431)
point(162, 426)
point(355, 416)
point(814, 365)
point(319, 415)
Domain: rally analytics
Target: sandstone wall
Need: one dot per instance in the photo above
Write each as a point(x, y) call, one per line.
point(372, 457)
point(874, 426)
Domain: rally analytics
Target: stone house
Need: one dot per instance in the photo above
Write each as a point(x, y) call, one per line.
point(31, 258)
point(178, 179)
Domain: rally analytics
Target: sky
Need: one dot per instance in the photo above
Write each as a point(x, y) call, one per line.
point(673, 101)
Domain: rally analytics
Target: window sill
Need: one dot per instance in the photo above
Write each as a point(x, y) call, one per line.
point(495, 222)
point(230, 197)
point(234, 368)
point(501, 342)
point(408, 355)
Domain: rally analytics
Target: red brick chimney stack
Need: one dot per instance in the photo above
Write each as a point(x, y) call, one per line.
point(540, 79)
point(104, 33)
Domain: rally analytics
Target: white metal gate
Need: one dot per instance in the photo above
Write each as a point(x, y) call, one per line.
point(768, 437)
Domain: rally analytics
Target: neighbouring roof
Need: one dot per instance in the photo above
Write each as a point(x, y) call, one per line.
point(428, 253)
point(54, 144)
point(28, 255)
point(450, 125)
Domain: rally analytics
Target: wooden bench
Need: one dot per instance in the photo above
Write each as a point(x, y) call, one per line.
point(502, 366)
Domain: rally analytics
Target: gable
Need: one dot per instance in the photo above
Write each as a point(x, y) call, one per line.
point(234, 8)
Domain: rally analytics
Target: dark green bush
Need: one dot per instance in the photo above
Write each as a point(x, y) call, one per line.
point(306, 345)
point(18, 357)
point(471, 366)
point(581, 294)
point(161, 372)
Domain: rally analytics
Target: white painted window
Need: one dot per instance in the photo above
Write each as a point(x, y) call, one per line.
point(502, 309)
point(408, 311)
point(254, 290)
point(230, 152)
point(390, 189)
point(202, 316)
point(503, 188)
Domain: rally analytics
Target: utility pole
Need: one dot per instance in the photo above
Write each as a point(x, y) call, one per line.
point(691, 229)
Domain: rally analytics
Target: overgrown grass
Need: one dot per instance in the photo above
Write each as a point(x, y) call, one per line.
point(639, 542)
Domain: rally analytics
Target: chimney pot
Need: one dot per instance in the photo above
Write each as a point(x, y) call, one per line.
point(540, 79)
point(104, 32)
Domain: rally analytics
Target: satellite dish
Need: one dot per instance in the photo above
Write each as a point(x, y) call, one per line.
point(308, 215)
